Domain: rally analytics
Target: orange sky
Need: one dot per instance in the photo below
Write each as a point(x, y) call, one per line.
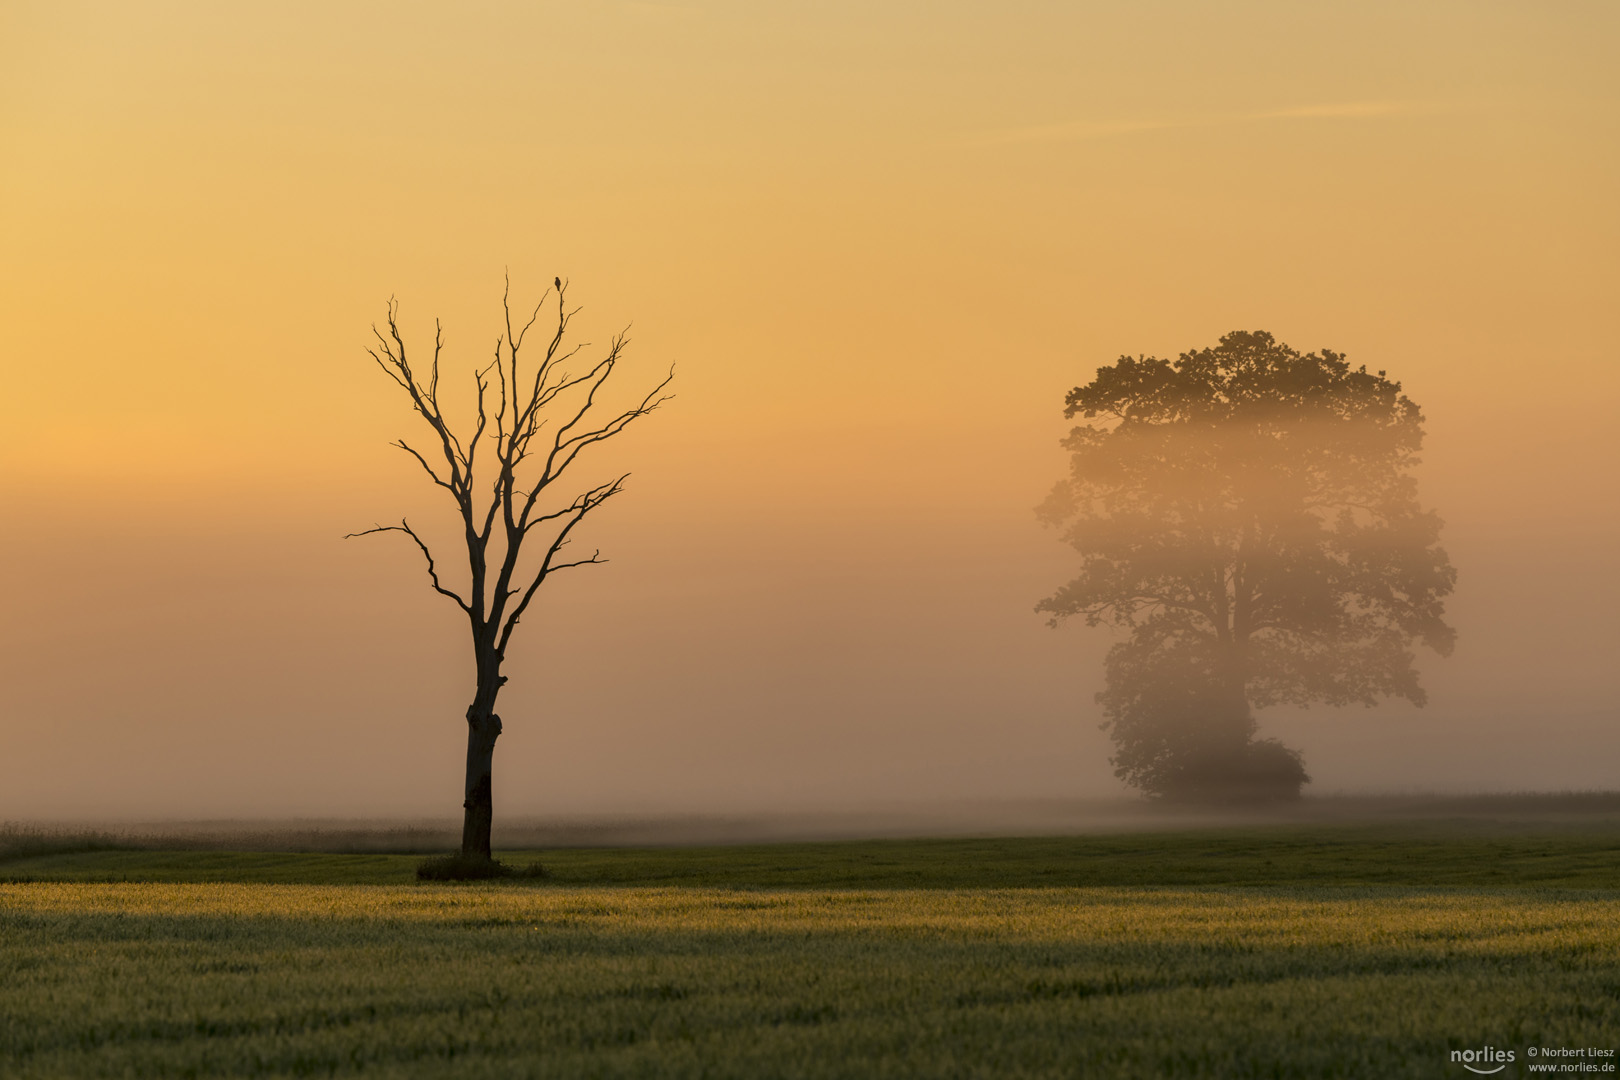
point(879, 242)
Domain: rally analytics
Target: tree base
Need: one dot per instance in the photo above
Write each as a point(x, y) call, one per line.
point(1265, 771)
point(462, 868)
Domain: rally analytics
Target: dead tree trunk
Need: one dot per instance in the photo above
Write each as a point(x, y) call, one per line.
point(482, 731)
point(498, 514)
point(483, 728)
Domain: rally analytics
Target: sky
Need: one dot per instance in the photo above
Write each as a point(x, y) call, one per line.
point(878, 242)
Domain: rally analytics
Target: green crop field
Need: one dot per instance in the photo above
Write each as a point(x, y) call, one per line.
point(1285, 952)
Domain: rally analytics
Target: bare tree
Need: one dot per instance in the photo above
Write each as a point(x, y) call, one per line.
point(531, 426)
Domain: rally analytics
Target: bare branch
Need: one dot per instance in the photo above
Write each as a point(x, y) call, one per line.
point(517, 339)
point(594, 560)
point(396, 363)
point(581, 506)
point(423, 461)
point(570, 448)
point(433, 573)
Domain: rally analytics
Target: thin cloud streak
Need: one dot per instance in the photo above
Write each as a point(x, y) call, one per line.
point(1081, 131)
point(1348, 109)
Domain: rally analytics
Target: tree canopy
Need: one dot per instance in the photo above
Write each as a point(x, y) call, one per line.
point(1247, 515)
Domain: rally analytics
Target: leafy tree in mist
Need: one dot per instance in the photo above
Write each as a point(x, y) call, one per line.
point(1246, 515)
point(503, 471)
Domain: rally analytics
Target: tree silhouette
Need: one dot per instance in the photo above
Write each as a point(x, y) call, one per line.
point(1247, 516)
point(532, 423)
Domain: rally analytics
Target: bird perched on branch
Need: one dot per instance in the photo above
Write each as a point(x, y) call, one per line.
point(557, 282)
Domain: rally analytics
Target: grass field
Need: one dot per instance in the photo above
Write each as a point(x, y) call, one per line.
point(1291, 952)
